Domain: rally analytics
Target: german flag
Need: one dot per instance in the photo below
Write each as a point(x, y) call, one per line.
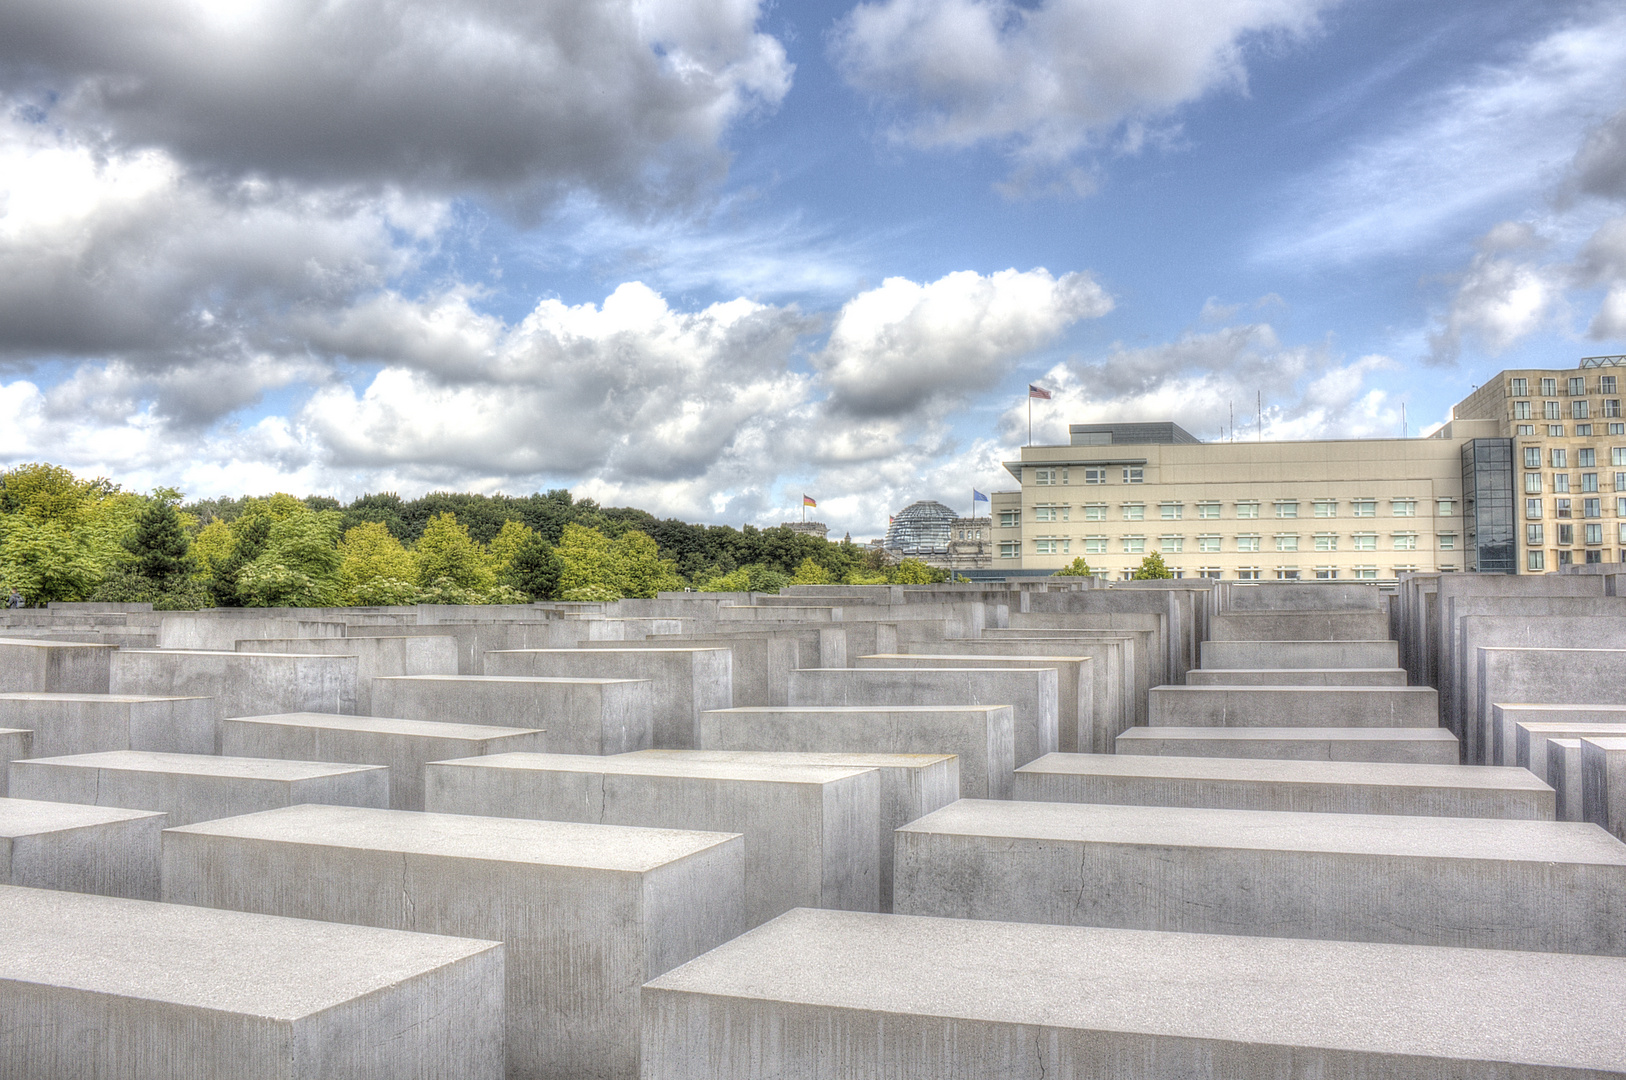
point(809, 502)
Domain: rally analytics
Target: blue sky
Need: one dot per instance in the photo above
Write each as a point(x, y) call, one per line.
point(703, 257)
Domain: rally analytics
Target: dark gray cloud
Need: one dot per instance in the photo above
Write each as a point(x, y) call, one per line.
point(1600, 164)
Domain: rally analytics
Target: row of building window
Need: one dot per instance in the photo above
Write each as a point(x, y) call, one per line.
point(1564, 535)
point(1586, 457)
point(1582, 431)
point(1537, 560)
point(1580, 409)
point(1174, 545)
point(1564, 483)
point(1564, 508)
point(1175, 511)
point(1576, 386)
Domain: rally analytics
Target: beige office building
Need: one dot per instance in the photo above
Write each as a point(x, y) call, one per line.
point(1355, 509)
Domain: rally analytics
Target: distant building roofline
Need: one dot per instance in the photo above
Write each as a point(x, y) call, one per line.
point(1162, 431)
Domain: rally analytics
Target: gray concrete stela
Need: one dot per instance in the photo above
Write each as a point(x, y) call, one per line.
point(1054, 827)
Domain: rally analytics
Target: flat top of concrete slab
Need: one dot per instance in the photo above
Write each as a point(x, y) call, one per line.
point(1269, 770)
point(229, 961)
point(230, 652)
point(1611, 744)
point(1249, 734)
point(1279, 830)
point(938, 670)
point(861, 708)
point(1293, 688)
point(1297, 671)
point(30, 817)
point(1535, 707)
point(245, 768)
point(558, 679)
point(1338, 642)
point(385, 725)
point(632, 765)
point(1382, 999)
point(44, 643)
point(624, 848)
point(637, 649)
point(799, 757)
point(103, 698)
point(969, 658)
point(1542, 727)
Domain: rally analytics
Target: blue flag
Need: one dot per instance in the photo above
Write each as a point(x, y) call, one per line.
point(977, 496)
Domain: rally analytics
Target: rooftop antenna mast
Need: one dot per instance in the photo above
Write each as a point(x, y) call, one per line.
point(1403, 426)
point(1233, 421)
point(1259, 413)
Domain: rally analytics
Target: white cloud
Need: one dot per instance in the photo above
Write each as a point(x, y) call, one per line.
point(1056, 76)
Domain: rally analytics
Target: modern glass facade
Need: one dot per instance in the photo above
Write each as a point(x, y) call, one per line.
point(1488, 505)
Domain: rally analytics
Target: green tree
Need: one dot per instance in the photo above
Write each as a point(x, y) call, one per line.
point(249, 533)
point(590, 569)
point(535, 569)
point(45, 561)
point(1077, 568)
point(811, 573)
point(449, 557)
point(375, 570)
point(160, 549)
point(915, 572)
point(299, 566)
point(1152, 568)
point(643, 572)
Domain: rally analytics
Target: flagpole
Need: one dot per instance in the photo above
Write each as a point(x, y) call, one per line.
point(1030, 416)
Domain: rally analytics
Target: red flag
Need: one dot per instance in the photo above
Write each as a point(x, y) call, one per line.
point(808, 502)
point(1034, 391)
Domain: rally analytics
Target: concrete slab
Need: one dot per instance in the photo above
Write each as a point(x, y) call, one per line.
point(376, 657)
point(1296, 677)
point(405, 746)
point(1555, 676)
point(1031, 694)
point(1294, 706)
point(1429, 746)
point(196, 787)
point(1076, 722)
point(33, 666)
point(89, 849)
point(761, 664)
point(1533, 739)
point(138, 989)
point(684, 682)
point(810, 832)
point(1565, 775)
point(924, 999)
point(15, 744)
point(1603, 783)
point(912, 785)
point(1340, 787)
point(89, 723)
point(587, 913)
point(1305, 654)
point(245, 684)
point(581, 716)
point(1544, 886)
point(979, 736)
point(1298, 626)
point(1532, 724)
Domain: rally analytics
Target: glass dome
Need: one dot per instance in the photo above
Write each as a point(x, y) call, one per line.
point(920, 528)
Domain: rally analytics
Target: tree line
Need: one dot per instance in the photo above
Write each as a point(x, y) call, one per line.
point(63, 537)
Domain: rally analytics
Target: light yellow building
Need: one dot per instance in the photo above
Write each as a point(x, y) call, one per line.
point(1506, 486)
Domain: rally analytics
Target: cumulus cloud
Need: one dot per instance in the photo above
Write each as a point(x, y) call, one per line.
point(626, 99)
point(1600, 165)
point(1052, 77)
point(1502, 297)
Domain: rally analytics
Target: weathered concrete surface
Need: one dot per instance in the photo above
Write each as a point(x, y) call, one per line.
point(581, 716)
point(1298, 626)
point(761, 666)
point(405, 746)
point(1545, 886)
point(1426, 746)
point(1300, 654)
point(1531, 736)
point(196, 787)
point(586, 913)
point(243, 684)
point(1031, 694)
point(1565, 775)
point(88, 849)
point(683, 682)
point(61, 667)
point(1341, 787)
point(15, 744)
point(88, 723)
point(376, 657)
point(1300, 596)
point(140, 990)
point(1603, 783)
point(912, 785)
point(927, 999)
point(978, 735)
point(220, 630)
point(1296, 677)
point(1294, 706)
point(1544, 676)
point(1076, 723)
point(810, 832)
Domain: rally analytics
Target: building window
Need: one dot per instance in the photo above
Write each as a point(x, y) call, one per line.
point(1535, 560)
point(1521, 410)
point(1326, 541)
point(1561, 458)
point(1287, 573)
point(1555, 431)
point(1561, 508)
point(1623, 539)
point(1406, 568)
point(1051, 512)
point(1052, 545)
point(1134, 474)
point(1044, 477)
point(1583, 430)
point(1577, 385)
point(1526, 429)
point(1532, 457)
point(1534, 536)
point(1445, 507)
point(1010, 519)
point(1561, 482)
point(1134, 511)
point(1326, 508)
point(1365, 541)
point(1364, 573)
point(1208, 509)
point(1248, 542)
point(1550, 411)
point(1611, 408)
point(1171, 545)
point(1589, 481)
point(1095, 545)
point(1566, 535)
point(1532, 508)
point(1592, 508)
point(1586, 458)
point(1406, 541)
point(1549, 388)
point(1448, 541)
point(1247, 509)
point(1532, 483)
point(1095, 474)
point(1287, 508)
point(1606, 384)
point(1594, 556)
point(1009, 549)
point(1566, 558)
point(1171, 511)
point(1580, 409)
point(1519, 387)
point(1364, 507)
point(1208, 543)
point(1095, 511)
point(1326, 573)
point(1405, 507)
point(1287, 541)
point(1620, 507)
point(1617, 455)
point(1617, 429)
point(1248, 573)
point(1134, 545)
point(1594, 534)
point(1210, 572)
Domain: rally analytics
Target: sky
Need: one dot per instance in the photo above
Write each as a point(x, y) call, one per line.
point(704, 257)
